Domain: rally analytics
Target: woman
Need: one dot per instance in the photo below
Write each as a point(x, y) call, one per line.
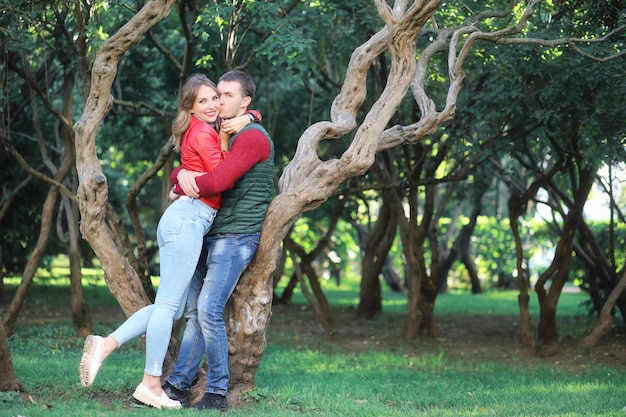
point(180, 233)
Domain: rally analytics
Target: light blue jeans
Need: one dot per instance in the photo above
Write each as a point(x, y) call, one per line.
point(180, 236)
point(227, 258)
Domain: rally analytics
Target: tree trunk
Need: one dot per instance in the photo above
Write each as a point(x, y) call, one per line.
point(421, 289)
point(606, 316)
point(391, 277)
point(9, 380)
point(429, 287)
point(374, 258)
point(602, 277)
point(446, 253)
point(447, 259)
point(122, 279)
point(81, 315)
point(317, 300)
point(2, 291)
point(559, 269)
point(47, 216)
point(468, 261)
point(307, 181)
point(523, 299)
point(4, 208)
point(286, 296)
point(465, 245)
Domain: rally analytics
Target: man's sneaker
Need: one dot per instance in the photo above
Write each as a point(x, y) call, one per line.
point(211, 401)
point(183, 396)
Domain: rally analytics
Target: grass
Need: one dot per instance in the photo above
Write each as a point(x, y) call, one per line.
point(369, 373)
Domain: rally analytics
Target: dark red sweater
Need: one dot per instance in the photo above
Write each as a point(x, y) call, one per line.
point(249, 148)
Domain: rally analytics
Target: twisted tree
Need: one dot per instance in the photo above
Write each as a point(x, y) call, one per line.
point(308, 180)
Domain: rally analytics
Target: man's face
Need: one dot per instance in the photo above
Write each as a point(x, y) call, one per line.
point(232, 101)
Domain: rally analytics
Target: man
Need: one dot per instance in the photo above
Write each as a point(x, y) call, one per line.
point(247, 173)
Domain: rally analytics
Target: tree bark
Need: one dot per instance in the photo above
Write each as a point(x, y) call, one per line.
point(516, 205)
point(606, 316)
point(307, 181)
point(47, 217)
point(560, 266)
point(4, 208)
point(287, 294)
point(462, 248)
point(601, 268)
point(81, 315)
point(317, 300)
point(121, 278)
point(374, 258)
point(9, 380)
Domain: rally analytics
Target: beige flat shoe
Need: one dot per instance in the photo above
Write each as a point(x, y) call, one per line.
point(91, 360)
point(145, 396)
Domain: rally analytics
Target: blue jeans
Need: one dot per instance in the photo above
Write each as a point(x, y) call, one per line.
point(180, 236)
point(227, 258)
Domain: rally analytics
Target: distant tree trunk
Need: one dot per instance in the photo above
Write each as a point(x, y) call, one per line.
point(391, 277)
point(81, 315)
point(601, 270)
point(559, 269)
point(446, 253)
point(429, 289)
point(421, 288)
point(47, 217)
point(304, 268)
point(9, 380)
point(606, 316)
point(462, 248)
point(468, 262)
point(287, 294)
point(443, 272)
point(4, 208)
point(388, 272)
point(374, 258)
point(2, 293)
point(318, 300)
point(517, 206)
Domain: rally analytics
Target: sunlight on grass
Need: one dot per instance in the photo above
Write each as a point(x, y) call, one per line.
point(56, 273)
point(456, 302)
point(302, 374)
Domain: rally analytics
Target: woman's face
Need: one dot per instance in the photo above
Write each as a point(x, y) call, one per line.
point(207, 104)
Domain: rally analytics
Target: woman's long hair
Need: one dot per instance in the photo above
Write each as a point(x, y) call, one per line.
point(187, 98)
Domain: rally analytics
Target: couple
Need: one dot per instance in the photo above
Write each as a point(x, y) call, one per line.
point(197, 270)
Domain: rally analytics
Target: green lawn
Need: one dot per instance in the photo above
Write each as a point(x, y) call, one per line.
point(304, 375)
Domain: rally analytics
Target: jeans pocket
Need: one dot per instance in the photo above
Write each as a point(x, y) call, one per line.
point(171, 223)
point(207, 215)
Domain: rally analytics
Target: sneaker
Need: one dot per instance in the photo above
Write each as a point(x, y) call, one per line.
point(147, 397)
point(211, 401)
point(183, 396)
point(91, 360)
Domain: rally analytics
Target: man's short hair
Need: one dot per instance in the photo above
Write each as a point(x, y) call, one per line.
point(248, 87)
